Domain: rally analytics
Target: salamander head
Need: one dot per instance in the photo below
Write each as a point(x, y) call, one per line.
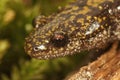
point(57, 40)
point(47, 43)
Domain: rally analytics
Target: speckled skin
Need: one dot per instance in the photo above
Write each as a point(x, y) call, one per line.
point(82, 25)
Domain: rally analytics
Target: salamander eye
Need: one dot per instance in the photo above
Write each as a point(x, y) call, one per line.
point(59, 39)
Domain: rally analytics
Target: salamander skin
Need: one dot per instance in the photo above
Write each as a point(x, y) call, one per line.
point(82, 25)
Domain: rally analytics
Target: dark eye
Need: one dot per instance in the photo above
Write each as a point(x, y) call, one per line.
point(59, 39)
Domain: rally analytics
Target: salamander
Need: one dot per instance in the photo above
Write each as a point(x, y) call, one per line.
point(80, 26)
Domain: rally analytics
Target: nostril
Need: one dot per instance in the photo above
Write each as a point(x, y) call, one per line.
point(36, 49)
point(41, 48)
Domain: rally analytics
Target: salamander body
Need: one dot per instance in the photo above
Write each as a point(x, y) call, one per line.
point(82, 25)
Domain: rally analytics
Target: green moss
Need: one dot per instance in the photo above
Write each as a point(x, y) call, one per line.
point(15, 24)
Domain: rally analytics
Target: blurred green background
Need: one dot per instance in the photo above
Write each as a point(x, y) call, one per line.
point(15, 24)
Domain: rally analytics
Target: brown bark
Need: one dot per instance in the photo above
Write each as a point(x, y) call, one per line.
point(106, 67)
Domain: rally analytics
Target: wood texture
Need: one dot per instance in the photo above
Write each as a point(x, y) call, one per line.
point(106, 67)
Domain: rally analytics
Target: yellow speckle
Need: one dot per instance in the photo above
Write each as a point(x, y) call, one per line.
point(79, 34)
point(84, 11)
point(88, 17)
point(87, 24)
point(49, 32)
point(72, 28)
point(61, 49)
point(29, 52)
point(100, 7)
point(104, 18)
point(81, 20)
point(99, 20)
point(75, 8)
point(46, 41)
point(38, 43)
point(95, 17)
point(72, 18)
point(83, 37)
point(34, 40)
point(102, 27)
point(29, 45)
point(106, 24)
point(66, 24)
point(53, 29)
